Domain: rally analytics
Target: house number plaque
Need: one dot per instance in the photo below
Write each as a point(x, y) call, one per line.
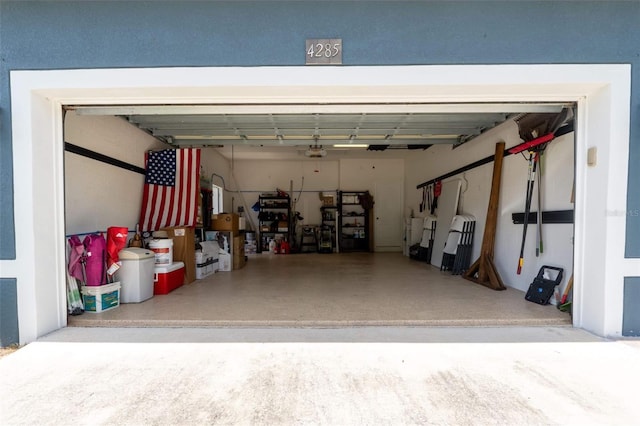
point(323, 51)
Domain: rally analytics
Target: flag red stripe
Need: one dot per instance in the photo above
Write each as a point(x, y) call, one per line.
point(195, 185)
point(180, 178)
point(164, 198)
point(189, 192)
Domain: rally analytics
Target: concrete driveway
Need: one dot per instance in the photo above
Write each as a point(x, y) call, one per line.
point(376, 375)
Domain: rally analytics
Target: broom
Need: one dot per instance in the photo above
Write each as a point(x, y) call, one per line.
point(563, 305)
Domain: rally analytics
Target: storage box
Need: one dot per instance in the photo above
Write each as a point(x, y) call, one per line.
point(167, 278)
point(101, 298)
point(225, 222)
point(238, 244)
point(250, 247)
point(224, 262)
point(207, 259)
point(283, 226)
point(327, 200)
point(184, 249)
point(208, 268)
point(238, 259)
point(239, 262)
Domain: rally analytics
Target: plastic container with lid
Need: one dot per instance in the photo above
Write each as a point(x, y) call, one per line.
point(163, 249)
point(136, 274)
point(168, 277)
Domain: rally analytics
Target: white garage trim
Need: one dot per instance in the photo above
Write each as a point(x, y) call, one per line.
point(601, 91)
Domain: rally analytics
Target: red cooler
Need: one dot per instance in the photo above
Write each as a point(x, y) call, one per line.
point(167, 278)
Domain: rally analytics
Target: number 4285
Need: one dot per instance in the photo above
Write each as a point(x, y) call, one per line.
point(320, 50)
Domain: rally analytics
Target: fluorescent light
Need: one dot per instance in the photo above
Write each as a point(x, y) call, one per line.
point(351, 145)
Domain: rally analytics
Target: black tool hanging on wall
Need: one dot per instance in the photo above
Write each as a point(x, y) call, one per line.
point(533, 162)
point(437, 190)
point(537, 130)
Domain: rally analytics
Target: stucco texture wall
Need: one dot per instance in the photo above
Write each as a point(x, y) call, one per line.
point(105, 34)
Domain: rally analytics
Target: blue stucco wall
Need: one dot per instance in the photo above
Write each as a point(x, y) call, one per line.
point(55, 35)
point(8, 312)
point(631, 313)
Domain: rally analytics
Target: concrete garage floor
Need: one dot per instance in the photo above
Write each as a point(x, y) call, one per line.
point(131, 371)
point(338, 376)
point(347, 289)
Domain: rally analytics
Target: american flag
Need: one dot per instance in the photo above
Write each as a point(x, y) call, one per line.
point(171, 187)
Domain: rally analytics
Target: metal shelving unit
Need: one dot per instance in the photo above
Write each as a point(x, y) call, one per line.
point(353, 222)
point(330, 222)
point(274, 218)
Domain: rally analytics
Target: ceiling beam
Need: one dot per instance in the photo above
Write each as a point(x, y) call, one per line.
point(317, 108)
point(307, 142)
point(348, 131)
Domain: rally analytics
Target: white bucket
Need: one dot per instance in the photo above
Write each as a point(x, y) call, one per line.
point(163, 250)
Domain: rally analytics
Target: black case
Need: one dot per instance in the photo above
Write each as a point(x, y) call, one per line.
point(544, 284)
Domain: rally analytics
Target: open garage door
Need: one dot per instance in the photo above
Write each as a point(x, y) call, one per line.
point(385, 150)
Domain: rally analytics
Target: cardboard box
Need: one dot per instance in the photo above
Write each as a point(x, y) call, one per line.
point(238, 244)
point(225, 222)
point(327, 200)
point(283, 226)
point(238, 252)
point(238, 261)
point(184, 249)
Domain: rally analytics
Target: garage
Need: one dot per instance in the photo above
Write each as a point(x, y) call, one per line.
point(45, 95)
point(319, 159)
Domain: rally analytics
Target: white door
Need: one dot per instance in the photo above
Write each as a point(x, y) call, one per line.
point(387, 216)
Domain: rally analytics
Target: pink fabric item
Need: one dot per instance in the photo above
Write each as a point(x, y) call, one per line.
point(76, 257)
point(95, 271)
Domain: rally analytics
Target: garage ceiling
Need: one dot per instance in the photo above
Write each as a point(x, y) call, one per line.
point(293, 129)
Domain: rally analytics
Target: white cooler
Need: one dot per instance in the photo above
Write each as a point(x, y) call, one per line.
point(135, 274)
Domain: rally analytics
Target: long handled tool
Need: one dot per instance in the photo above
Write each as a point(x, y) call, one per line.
point(539, 246)
point(562, 304)
point(527, 208)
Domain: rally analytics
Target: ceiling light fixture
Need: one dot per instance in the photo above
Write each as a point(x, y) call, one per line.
point(350, 145)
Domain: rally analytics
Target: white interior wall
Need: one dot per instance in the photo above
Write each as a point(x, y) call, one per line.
point(254, 177)
point(362, 174)
point(322, 175)
point(558, 166)
point(99, 195)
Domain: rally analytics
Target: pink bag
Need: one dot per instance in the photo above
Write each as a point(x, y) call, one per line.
point(95, 252)
point(76, 258)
